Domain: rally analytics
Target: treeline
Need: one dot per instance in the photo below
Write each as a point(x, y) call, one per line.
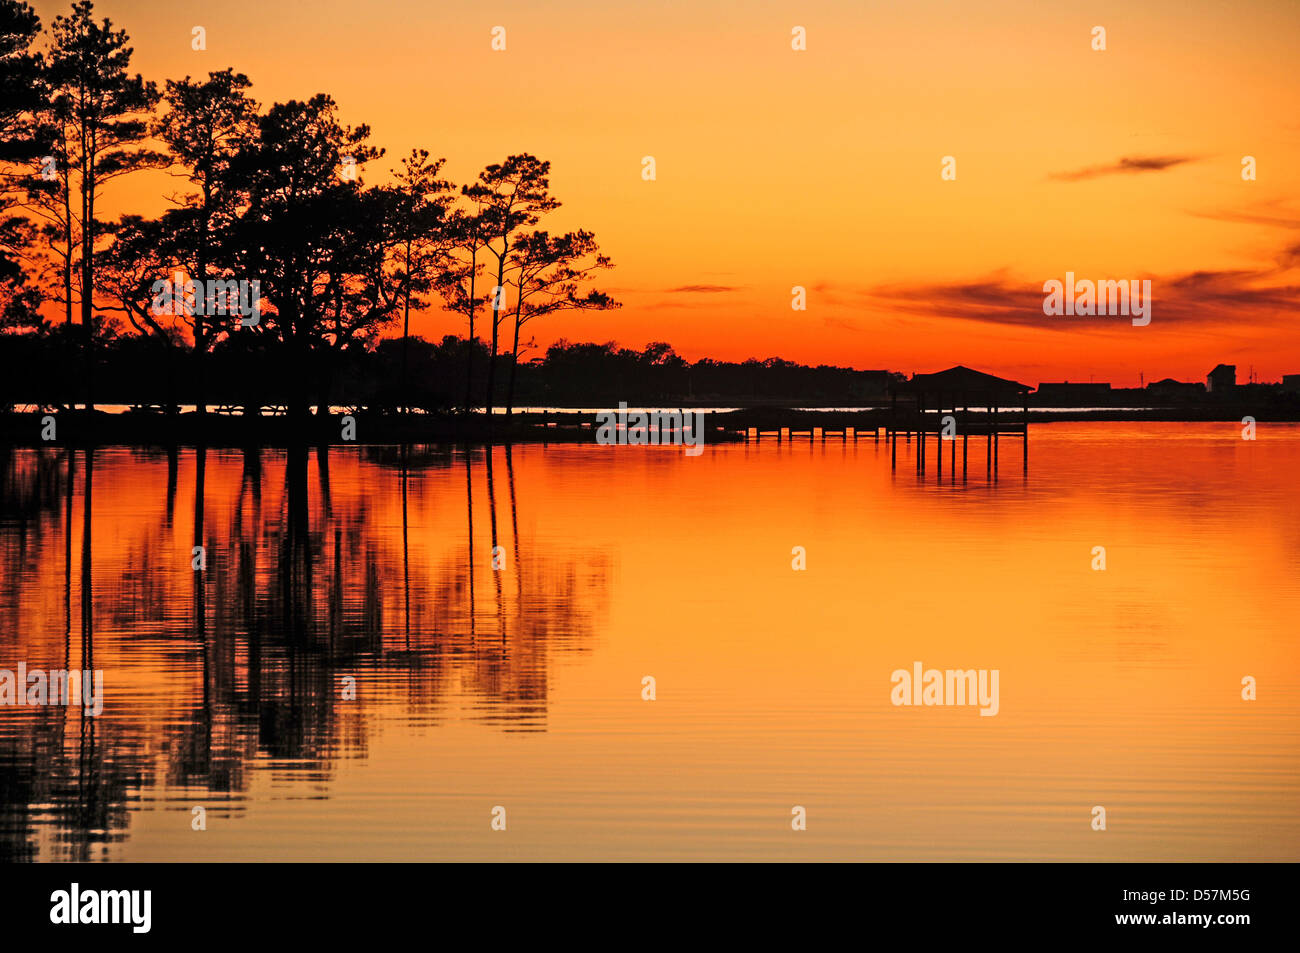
point(273, 275)
point(42, 369)
point(579, 374)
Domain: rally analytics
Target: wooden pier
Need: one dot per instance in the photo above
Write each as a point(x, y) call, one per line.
point(958, 404)
point(816, 433)
point(950, 407)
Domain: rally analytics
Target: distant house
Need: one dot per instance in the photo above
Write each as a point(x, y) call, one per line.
point(1170, 389)
point(1222, 378)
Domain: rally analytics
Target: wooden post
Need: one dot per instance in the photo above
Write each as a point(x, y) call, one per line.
point(916, 412)
point(893, 414)
point(938, 445)
point(1026, 422)
point(920, 439)
point(988, 439)
point(996, 441)
point(965, 447)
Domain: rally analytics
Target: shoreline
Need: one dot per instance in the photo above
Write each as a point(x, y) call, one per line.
point(159, 429)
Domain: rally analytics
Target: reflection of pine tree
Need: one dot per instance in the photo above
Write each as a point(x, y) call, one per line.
point(245, 663)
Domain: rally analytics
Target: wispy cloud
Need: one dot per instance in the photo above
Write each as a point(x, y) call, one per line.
point(1275, 214)
point(1128, 165)
point(702, 289)
point(1260, 297)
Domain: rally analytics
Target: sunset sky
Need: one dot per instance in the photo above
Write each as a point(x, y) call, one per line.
point(821, 168)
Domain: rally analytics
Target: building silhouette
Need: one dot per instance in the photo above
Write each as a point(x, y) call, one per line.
point(1222, 379)
point(1170, 389)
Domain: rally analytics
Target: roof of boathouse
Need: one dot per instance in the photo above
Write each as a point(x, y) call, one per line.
point(963, 380)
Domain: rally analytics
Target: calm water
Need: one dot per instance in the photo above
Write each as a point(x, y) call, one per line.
point(229, 688)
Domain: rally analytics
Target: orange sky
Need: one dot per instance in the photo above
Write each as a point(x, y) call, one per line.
point(821, 168)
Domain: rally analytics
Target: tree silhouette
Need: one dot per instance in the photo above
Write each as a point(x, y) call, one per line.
point(311, 236)
point(205, 126)
point(550, 273)
point(418, 239)
point(142, 251)
point(510, 196)
point(105, 108)
point(270, 198)
point(20, 145)
point(466, 239)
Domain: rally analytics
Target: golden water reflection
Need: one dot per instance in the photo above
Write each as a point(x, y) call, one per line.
point(231, 688)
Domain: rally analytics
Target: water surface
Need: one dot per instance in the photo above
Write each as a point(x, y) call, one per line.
point(229, 688)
